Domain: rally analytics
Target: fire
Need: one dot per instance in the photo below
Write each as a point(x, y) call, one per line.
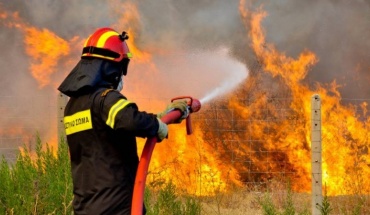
point(190, 163)
point(345, 156)
point(142, 61)
point(44, 48)
point(186, 161)
point(130, 20)
point(211, 161)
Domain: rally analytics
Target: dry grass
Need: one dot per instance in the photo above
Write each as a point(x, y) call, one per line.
point(353, 204)
point(246, 202)
point(237, 203)
point(240, 202)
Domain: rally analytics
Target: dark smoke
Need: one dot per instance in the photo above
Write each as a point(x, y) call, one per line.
point(336, 31)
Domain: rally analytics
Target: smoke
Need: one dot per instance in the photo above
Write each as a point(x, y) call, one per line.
point(26, 107)
point(336, 31)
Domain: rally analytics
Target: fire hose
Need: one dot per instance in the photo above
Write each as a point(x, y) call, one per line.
point(142, 170)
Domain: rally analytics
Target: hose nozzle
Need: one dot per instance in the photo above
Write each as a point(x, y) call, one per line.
point(194, 106)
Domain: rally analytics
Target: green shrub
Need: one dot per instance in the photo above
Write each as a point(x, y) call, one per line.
point(40, 182)
point(167, 202)
point(267, 205)
point(287, 208)
point(325, 207)
point(37, 184)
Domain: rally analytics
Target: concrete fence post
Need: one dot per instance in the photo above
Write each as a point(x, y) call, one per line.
point(316, 162)
point(62, 102)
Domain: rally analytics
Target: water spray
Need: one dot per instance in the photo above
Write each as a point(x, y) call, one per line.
point(194, 105)
point(226, 86)
point(234, 73)
point(214, 93)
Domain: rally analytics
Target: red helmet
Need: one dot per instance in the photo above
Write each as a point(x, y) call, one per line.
point(106, 43)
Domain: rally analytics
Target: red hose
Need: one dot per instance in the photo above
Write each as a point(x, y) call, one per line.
point(142, 170)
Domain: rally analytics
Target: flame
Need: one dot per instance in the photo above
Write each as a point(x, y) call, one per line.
point(202, 174)
point(190, 163)
point(344, 135)
point(130, 21)
point(213, 161)
point(44, 47)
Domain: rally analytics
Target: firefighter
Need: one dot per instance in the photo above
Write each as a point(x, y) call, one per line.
point(101, 126)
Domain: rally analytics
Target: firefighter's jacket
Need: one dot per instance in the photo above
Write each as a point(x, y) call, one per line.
point(101, 129)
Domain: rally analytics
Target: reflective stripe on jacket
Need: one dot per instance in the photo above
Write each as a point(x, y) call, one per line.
point(101, 130)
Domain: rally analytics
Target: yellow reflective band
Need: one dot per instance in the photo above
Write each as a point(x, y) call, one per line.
point(120, 104)
point(103, 38)
point(98, 55)
point(129, 55)
point(80, 121)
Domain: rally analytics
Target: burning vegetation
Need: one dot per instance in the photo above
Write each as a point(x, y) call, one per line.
point(258, 133)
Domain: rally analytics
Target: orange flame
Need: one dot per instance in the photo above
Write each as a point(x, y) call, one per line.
point(46, 49)
point(130, 21)
point(191, 161)
point(186, 161)
point(345, 163)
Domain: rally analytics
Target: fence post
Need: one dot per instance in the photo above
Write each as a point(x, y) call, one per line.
point(62, 102)
point(316, 163)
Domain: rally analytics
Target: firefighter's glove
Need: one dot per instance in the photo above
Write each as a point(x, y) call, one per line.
point(179, 105)
point(162, 130)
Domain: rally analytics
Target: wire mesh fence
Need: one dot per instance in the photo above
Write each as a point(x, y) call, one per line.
point(251, 144)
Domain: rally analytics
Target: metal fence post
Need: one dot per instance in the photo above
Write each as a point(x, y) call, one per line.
point(316, 162)
point(62, 102)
